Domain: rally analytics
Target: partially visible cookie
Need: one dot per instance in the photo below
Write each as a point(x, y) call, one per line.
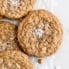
point(14, 60)
point(15, 8)
point(8, 39)
point(40, 33)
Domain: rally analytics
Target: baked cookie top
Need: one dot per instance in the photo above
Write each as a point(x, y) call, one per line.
point(15, 8)
point(14, 60)
point(40, 33)
point(8, 39)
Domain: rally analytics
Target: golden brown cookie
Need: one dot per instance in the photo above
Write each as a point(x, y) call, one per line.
point(15, 8)
point(14, 60)
point(40, 33)
point(8, 39)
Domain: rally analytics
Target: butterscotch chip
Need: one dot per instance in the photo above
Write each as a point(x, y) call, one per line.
point(15, 8)
point(8, 36)
point(14, 60)
point(40, 33)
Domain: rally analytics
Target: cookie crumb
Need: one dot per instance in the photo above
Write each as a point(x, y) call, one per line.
point(40, 60)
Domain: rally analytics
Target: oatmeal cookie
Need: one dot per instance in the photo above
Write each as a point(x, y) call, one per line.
point(14, 60)
point(8, 39)
point(15, 8)
point(40, 33)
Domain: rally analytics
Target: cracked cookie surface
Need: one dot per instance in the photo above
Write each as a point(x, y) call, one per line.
point(40, 33)
point(15, 8)
point(14, 60)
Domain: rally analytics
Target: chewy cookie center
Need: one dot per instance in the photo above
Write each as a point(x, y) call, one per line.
point(37, 34)
point(44, 30)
